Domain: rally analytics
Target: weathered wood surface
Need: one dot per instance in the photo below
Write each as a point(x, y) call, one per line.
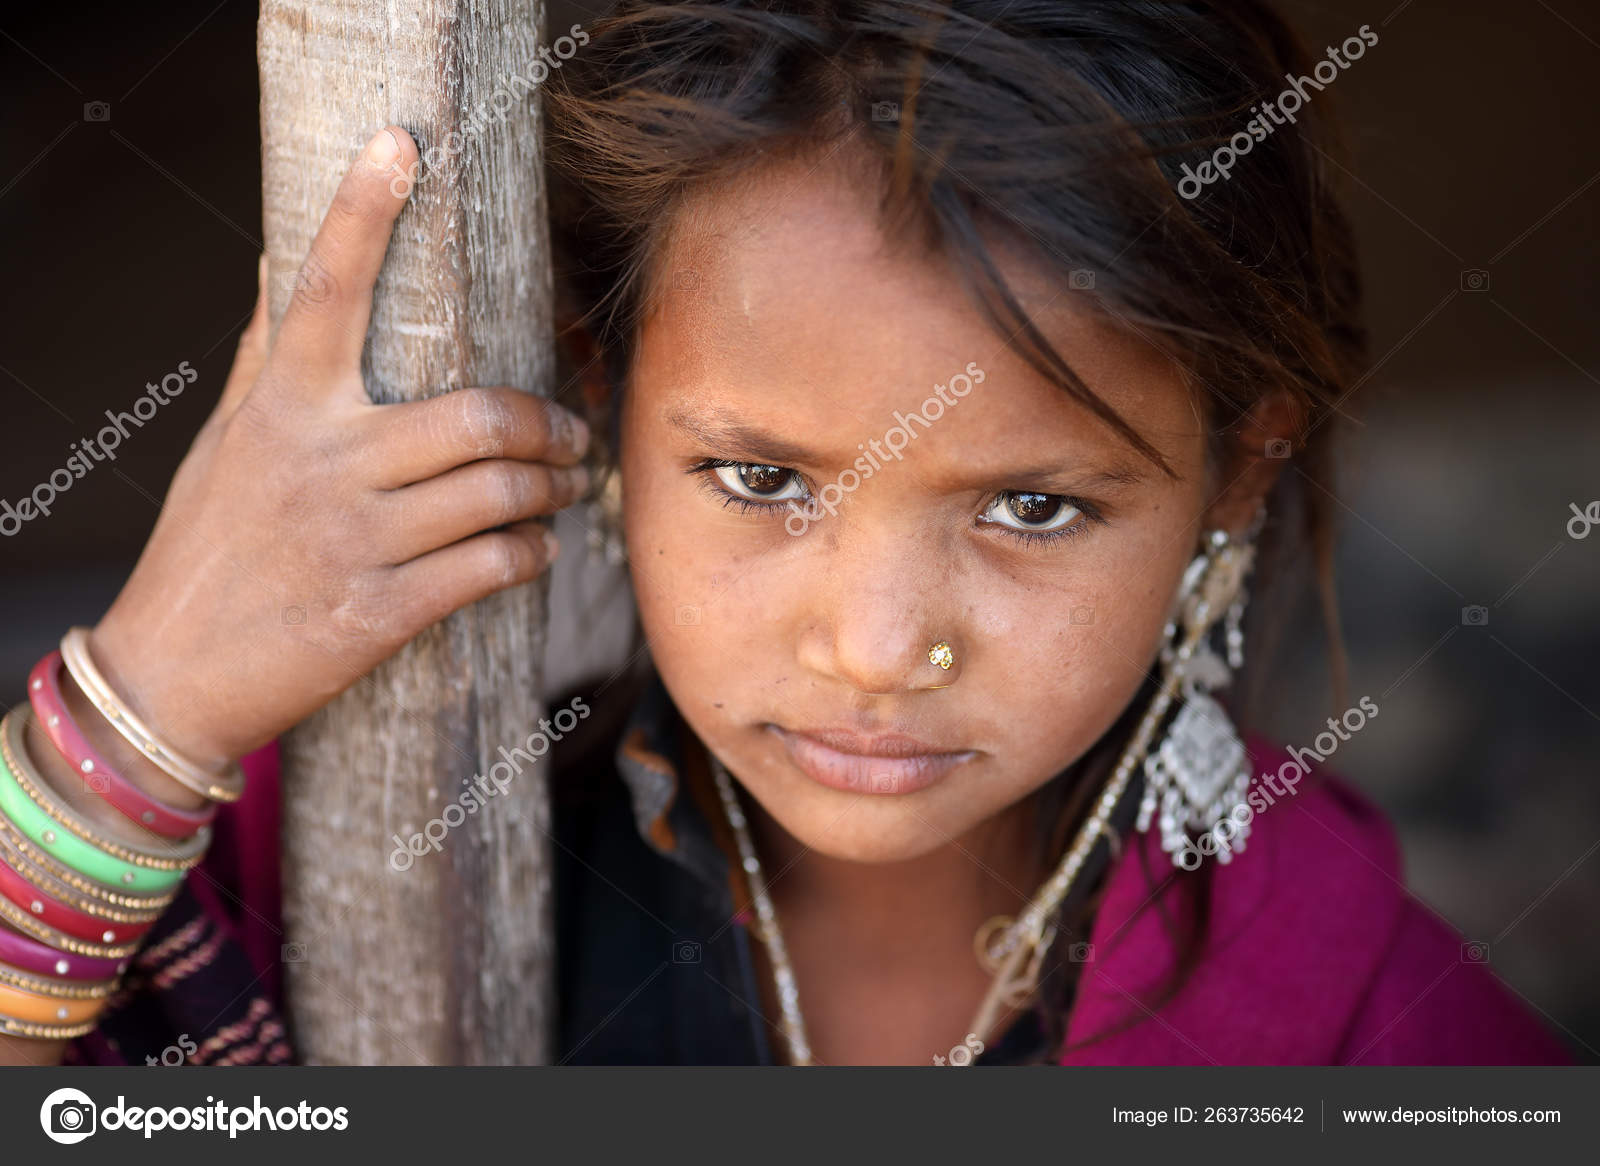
point(449, 961)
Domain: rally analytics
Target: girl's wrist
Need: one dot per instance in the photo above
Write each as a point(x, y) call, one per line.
point(133, 765)
point(166, 698)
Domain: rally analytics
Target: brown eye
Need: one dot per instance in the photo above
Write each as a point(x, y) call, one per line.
point(1026, 511)
point(764, 479)
point(755, 482)
point(1034, 509)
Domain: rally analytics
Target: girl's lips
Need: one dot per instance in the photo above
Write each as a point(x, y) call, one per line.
point(901, 773)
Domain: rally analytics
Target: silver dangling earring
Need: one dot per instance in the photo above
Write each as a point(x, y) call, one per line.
point(1197, 777)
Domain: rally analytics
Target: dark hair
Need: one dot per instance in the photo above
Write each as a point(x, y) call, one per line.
point(1060, 126)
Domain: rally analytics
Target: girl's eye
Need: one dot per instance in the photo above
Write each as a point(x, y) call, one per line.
point(759, 483)
point(1033, 514)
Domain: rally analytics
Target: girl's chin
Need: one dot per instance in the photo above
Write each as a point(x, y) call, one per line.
point(868, 831)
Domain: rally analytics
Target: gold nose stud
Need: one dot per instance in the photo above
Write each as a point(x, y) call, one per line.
point(941, 655)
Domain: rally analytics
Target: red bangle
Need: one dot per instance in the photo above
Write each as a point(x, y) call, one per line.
point(67, 920)
point(44, 692)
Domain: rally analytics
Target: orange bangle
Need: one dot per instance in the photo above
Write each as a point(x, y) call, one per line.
point(36, 1008)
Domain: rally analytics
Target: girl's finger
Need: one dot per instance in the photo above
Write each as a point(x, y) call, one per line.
point(413, 441)
point(475, 497)
point(325, 324)
point(430, 587)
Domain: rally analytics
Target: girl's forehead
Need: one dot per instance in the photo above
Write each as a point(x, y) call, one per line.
point(797, 252)
point(784, 294)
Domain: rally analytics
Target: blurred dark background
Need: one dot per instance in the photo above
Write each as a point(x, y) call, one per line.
point(130, 209)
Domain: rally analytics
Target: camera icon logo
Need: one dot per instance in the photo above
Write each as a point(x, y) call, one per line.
point(1081, 280)
point(885, 111)
point(1475, 615)
point(1082, 614)
point(1279, 447)
point(1474, 279)
point(1474, 953)
point(687, 615)
point(293, 953)
point(96, 111)
point(68, 1116)
point(685, 951)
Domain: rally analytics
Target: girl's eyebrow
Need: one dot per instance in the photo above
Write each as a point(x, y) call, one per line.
point(1068, 480)
point(735, 437)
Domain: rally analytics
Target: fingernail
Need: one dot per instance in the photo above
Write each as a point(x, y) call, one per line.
point(383, 149)
point(580, 434)
point(552, 545)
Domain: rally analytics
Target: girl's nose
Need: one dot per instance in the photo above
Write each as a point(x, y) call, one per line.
point(884, 631)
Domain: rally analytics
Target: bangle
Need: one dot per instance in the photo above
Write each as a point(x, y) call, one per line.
point(24, 922)
point(42, 879)
point(59, 989)
point(29, 955)
point(53, 913)
point(56, 989)
point(31, 1008)
point(44, 692)
point(44, 830)
point(9, 1027)
point(167, 855)
point(65, 876)
point(227, 786)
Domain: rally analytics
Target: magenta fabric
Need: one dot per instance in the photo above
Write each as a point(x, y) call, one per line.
point(240, 885)
point(1315, 955)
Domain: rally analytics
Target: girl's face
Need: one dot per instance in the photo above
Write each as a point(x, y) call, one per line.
point(832, 463)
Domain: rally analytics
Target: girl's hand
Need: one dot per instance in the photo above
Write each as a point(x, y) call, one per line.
point(309, 533)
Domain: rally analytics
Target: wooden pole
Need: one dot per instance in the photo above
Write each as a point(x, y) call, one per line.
point(451, 960)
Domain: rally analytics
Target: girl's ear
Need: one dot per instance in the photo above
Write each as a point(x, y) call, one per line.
point(1259, 447)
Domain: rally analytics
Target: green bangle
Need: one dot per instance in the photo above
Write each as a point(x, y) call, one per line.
point(88, 860)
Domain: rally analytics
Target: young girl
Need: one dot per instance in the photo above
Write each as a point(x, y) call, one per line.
point(965, 364)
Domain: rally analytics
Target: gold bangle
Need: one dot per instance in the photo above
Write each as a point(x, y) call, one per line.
point(62, 893)
point(227, 786)
point(33, 1008)
point(50, 937)
point(14, 748)
point(9, 1027)
point(63, 873)
point(58, 989)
